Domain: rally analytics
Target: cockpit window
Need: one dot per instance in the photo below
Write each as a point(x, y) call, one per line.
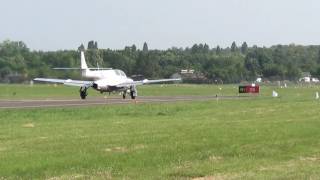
point(117, 72)
point(122, 73)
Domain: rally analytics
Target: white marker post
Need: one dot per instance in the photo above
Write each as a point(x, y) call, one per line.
point(275, 94)
point(317, 95)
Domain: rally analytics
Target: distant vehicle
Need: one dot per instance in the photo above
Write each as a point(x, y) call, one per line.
point(259, 80)
point(104, 80)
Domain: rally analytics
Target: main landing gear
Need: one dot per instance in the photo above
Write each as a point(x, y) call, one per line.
point(132, 91)
point(83, 92)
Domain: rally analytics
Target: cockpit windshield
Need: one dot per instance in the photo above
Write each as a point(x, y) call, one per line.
point(120, 73)
point(117, 72)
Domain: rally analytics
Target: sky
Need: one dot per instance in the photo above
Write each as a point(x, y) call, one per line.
point(65, 24)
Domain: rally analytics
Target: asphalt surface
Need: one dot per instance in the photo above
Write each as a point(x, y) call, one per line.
point(95, 101)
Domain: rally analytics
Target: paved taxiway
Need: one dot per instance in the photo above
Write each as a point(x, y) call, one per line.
point(94, 101)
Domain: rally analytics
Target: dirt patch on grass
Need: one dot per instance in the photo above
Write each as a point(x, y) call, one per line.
point(120, 122)
point(96, 174)
point(219, 177)
point(139, 146)
point(125, 149)
point(214, 158)
point(184, 165)
point(120, 149)
point(210, 178)
point(312, 159)
point(28, 125)
point(292, 164)
point(102, 175)
point(65, 177)
point(279, 167)
point(117, 149)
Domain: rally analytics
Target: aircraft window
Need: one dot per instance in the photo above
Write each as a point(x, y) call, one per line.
point(122, 73)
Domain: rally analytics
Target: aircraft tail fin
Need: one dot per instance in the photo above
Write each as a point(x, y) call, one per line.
point(83, 61)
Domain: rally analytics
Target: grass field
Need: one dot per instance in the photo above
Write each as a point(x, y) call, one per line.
point(54, 91)
point(258, 138)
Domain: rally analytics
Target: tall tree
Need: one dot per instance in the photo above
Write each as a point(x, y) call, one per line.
point(318, 58)
point(244, 48)
point(145, 47)
point(134, 48)
point(206, 48)
point(234, 47)
point(92, 45)
point(218, 50)
point(195, 49)
point(81, 48)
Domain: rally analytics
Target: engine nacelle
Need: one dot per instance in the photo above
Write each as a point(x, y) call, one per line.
point(100, 86)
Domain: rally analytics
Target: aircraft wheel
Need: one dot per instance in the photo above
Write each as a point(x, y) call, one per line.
point(83, 93)
point(133, 94)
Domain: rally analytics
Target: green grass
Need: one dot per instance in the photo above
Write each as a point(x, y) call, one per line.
point(59, 91)
point(259, 138)
point(49, 91)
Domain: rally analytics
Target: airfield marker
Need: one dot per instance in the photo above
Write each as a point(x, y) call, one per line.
point(317, 95)
point(274, 94)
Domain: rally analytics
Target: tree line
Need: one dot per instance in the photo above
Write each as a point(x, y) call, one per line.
point(231, 64)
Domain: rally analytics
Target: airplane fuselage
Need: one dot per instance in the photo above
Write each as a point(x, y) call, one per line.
point(107, 80)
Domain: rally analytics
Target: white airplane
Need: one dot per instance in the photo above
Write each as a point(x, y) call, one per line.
point(104, 80)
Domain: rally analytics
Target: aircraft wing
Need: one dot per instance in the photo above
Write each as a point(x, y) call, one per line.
point(62, 68)
point(68, 82)
point(146, 81)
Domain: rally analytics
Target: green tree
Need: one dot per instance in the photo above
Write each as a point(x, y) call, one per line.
point(134, 48)
point(206, 48)
point(318, 58)
point(234, 47)
point(92, 45)
point(145, 47)
point(244, 48)
point(275, 63)
point(218, 50)
point(195, 49)
point(81, 48)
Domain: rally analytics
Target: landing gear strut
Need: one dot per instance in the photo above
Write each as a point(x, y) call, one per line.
point(133, 92)
point(83, 92)
point(124, 95)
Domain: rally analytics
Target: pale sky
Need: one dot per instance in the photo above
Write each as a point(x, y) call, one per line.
point(65, 24)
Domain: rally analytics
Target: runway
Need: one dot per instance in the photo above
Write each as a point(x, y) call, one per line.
point(96, 101)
